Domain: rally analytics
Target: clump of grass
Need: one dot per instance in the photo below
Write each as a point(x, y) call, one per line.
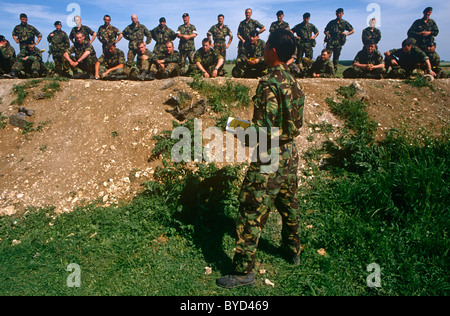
point(420, 82)
point(3, 121)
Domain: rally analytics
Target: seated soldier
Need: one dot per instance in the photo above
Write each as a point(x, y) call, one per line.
point(299, 69)
point(435, 61)
point(7, 58)
point(406, 61)
point(208, 61)
point(368, 63)
point(322, 67)
point(250, 61)
point(168, 63)
point(81, 58)
point(110, 65)
point(145, 59)
point(29, 62)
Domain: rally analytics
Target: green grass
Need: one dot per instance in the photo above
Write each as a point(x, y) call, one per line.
point(367, 202)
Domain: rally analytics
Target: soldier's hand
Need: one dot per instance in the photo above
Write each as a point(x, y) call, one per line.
point(51, 34)
point(25, 58)
point(206, 74)
point(214, 73)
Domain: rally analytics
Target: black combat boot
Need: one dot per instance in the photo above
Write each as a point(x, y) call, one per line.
point(233, 281)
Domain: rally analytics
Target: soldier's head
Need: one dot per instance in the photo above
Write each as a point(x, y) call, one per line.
point(107, 20)
point(248, 13)
point(339, 13)
point(3, 40)
point(306, 17)
point(206, 44)
point(58, 25)
point(427, 12)
point(373, 22)
point(186, 18)
point(30, 44)
point(77, 20)
point(110, 48)
point(220, 18)
point(134, 19)
point(325, 54)
point(162, 22)
point(23, 18)
point(142, 47)
point(407, 44)
point(254, 36)
point(169, 48)
point(79, 38)
point(280, 16)
point(280, 47)
point(371, 47)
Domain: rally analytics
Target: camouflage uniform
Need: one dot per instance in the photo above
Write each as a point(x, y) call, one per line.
point(136, 36)
point(132, 71)
point(59, 43)
point(304, 44)
point(7, 58)
point(371, 36)
point(25, 32)
point(247, 52)
point(323, 69)
point(187, 48)
point(337, 39)
point(108, 34)
point(277, 25)
point(86, 30)
point(87, 66)
point(435, 61)
point(208, 60)
point(420, 26)
point(171, 64)
point(408, 62)
point(161, 37)
point(279, 102)
point(246, 27)
point(363, 57)
point(33, 64)
point(219, 35)
point(108, 61)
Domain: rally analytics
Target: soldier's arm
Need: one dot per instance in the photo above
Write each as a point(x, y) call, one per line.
point(230, 38)
point(434, 29)
point(15, 35)
point(148, 35)
point(38, 35)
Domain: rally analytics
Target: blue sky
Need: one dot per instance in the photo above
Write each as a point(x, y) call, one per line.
point(395, 17)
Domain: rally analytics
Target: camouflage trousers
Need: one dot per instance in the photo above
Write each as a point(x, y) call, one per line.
point(6, 65)
point(336, 50)
point(60, 64)
point(27, 67)
point(172, 69)
point(354, 72)
point(304, 49)
point(259, 194)
point(87, 66)
point(221, 48)
point(159, 48)
point(189, 54)
point(244, 70)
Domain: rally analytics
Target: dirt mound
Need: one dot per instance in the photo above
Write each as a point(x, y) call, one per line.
point(93, 139)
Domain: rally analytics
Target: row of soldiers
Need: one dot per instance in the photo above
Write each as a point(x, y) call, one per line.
point(80, 60)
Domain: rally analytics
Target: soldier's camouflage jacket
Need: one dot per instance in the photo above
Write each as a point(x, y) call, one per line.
point(7, 53)
point(218, 33)
point(162, 35)
point(435, 59)
point(108, 34)
point(33, 55)
point(249, 50)
point(369, 35)
point(208, 60)
point(363, 57)
point(305, 31)
point(276, 25)
point(188, 45)
point(78, 50)
point(335, 29)
point(86, 30)
point(59, 43)
point(279, 102)
point(246, 27)
point(323, 68)
point(25, 32)
point(136, 35)
point(109, 60)
point(170, 58)
point(420, 26)
point(410, 59)
point(151, 58)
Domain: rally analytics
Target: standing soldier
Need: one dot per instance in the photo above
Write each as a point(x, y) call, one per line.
point(7, 57)
point(86, 30)
point(279, 103)
point(247, 26)
point(279, 23)
point(24, 32)
point(167, 63)
point(107, 33)
point(371, 34)
point(219, 33)
point(250, 61)
point(110, 64)
point(424, 30)
point(335, 35)
point(135, 33)
point(162, 34)
point(81, 58)
point(59, 43)
point(208, 61)
point(186, 33)
point(29, 61)
point(306, 37)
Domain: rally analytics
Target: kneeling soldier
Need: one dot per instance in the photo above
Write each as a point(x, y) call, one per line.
point(7, 57)
point(110, 64)
point(81, 58)
point(168, 63)
point(141, 71)
point(250, 62)
point(322, 67)
point(29, 61)
point(368, 63)
point(208, 61)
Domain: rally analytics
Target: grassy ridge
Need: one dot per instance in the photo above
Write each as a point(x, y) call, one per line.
point(363, 202)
